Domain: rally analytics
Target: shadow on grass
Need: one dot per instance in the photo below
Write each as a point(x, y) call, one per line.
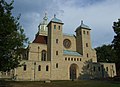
point(4, 83)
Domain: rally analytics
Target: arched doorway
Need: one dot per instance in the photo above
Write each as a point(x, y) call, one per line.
point(73, 71)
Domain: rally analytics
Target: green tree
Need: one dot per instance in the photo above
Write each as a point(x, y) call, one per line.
point(116, 44)
point(12, 37)
point(105, 53)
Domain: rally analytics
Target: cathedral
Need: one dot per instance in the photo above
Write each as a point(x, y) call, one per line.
point(54, 55)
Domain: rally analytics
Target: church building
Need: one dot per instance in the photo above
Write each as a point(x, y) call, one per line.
point(54, 55)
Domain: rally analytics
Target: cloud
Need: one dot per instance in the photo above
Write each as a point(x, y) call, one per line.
point(80, 3)
point(98, 14)
point(32, 13)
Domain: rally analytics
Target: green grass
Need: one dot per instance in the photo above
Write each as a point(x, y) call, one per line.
point(80, 83)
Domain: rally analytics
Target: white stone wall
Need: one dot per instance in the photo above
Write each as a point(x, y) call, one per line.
point(73, 42)
point(31, 73)
point(35, 50)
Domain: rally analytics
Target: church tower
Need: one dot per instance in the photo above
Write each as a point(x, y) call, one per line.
point(55, 46)
point(42, 28)
point(83, 41)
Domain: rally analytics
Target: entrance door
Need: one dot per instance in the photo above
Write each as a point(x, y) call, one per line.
point(73, 71)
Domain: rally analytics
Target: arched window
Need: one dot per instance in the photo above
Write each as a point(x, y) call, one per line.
point(68, 59)
point(83, 32)
point(94, 68)
point(57, 41)
point(56, 65)
point(24, 67)
point(87, 33)
point(39, 68)
point(87, 55)
point(80, 59)
point(47, 68)
point(56, 52)
point(86, 44)
point(43, 55)
point(59, 27)
point(106, 68)
point(74, 59)
point(65, 58)
point(54, 26)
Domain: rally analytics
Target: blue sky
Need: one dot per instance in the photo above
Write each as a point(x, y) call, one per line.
point(97, 14)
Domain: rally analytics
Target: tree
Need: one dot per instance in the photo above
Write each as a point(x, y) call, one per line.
point(105, 53)
point(116, 44)
point(12, 37)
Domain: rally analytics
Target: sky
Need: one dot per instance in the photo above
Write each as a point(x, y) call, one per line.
point(99, 15)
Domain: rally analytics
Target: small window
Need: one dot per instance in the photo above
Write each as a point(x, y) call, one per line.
point(80, 59)
point(56, 65)
point(25, 67)
point(86, 44)
point(94, 68)
point(57, 41)
point(106, 68)
point(47, 68)
point(87, 33)
point(71, 59)
point(77, 59)
point(56, 52)
point(83, 32)
point(59, 27)
point(87, 55)
point(65, 58)
point(39, 68)
point(74, 59)
point(98, 68)
point(113, 71)
point(112, 66)
point(54, 26)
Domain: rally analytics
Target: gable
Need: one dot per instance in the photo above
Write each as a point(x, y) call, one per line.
point(40, 39)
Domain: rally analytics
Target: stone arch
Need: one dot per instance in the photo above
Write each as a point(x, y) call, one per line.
point(73, 71)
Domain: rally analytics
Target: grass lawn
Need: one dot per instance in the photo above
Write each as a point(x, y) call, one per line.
point(80, 83)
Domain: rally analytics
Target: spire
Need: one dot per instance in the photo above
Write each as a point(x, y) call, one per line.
point(42, 29)
point(45, 18)
point(81, 22)
point(54, 15)
point(83, 25)
point(54, 19)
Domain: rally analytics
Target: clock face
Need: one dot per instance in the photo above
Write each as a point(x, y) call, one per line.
point(67, 43)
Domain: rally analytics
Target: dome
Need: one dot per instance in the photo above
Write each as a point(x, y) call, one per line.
point(45, 19)
point(83, 26)
point(56, 20)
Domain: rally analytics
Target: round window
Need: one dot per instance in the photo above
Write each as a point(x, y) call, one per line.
point(67, 43)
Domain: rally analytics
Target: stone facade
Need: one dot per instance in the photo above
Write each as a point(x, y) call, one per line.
point(54, 55)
